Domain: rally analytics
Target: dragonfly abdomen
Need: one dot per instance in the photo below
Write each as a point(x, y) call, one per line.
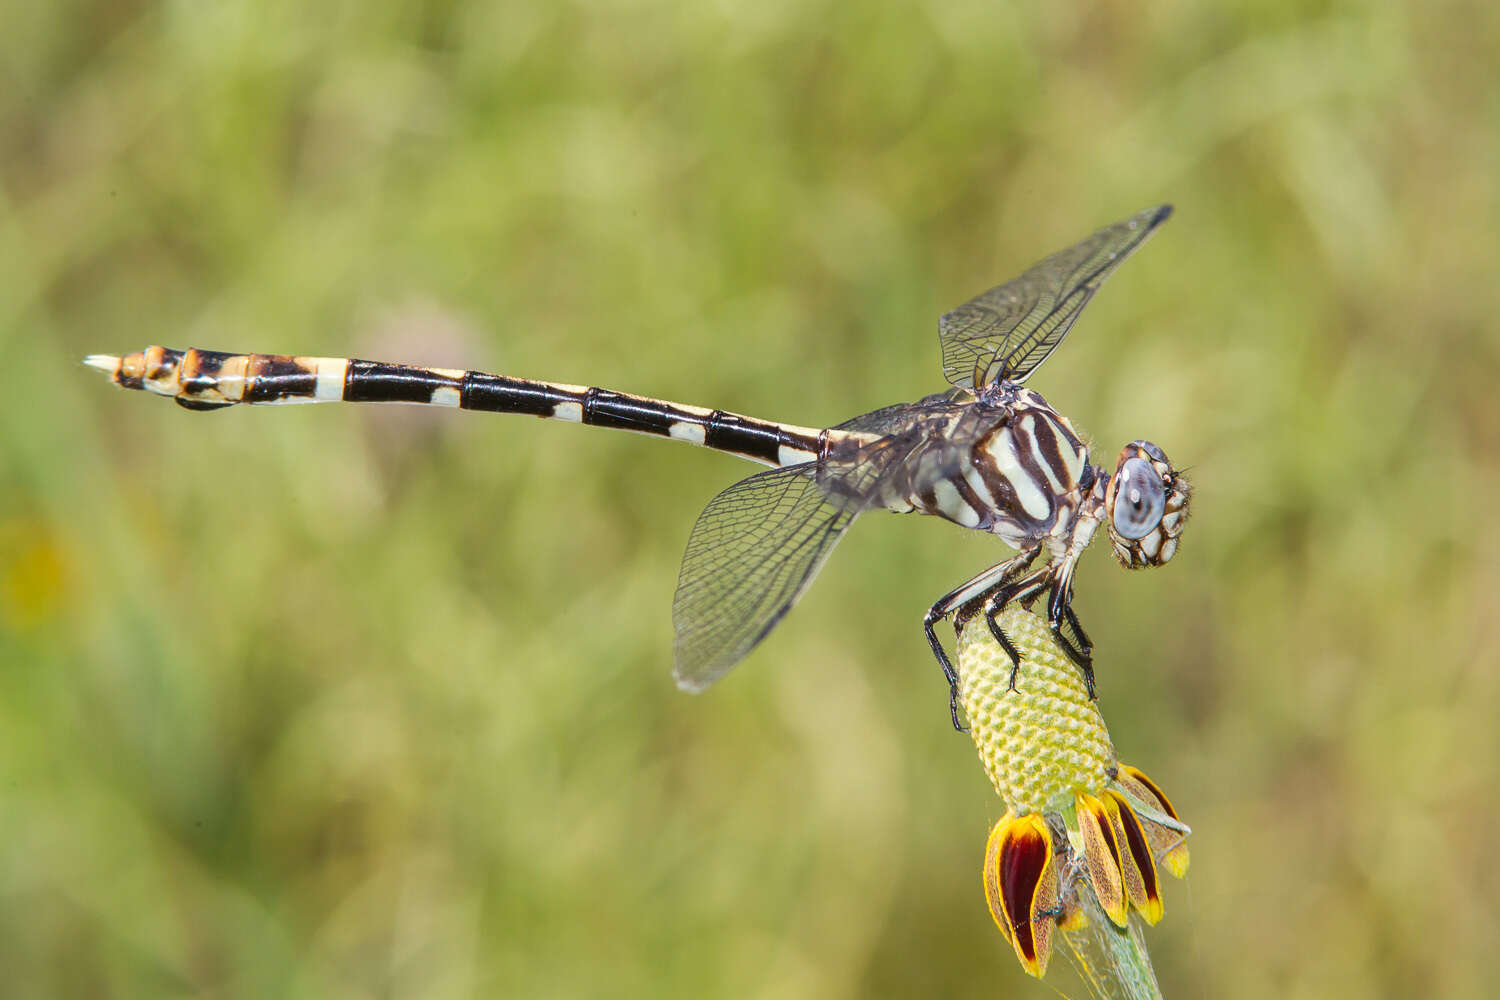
point(208, 380)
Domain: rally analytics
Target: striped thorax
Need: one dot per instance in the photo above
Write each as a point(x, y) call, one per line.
point(1036, 465)
point(1023, 473)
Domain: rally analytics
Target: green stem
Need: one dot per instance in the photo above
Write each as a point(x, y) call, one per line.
point(1112, 961)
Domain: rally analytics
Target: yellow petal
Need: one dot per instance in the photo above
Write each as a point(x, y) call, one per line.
point(1177, 861)
point(1020, 884)
point(1136, 864)
point(1101, 852)
point(1166, 843)
point(1073, 919)
point(1134, 779)
point(992, 875)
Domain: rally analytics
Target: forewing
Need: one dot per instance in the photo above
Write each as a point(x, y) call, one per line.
point(753, 551)
point(1007, 332)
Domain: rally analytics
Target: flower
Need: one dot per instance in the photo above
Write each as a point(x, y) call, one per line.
point(1080, 829)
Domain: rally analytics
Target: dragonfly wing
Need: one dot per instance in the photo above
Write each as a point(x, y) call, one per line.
point(753, 551)
point(1007, 332)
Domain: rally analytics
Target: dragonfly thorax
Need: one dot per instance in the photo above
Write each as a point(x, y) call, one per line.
point(1020, 470)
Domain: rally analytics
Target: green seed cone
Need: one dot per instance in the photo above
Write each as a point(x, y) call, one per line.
point(1044, 741)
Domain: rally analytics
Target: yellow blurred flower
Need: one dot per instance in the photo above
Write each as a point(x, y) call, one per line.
point(1081, 829)
point(34, 573)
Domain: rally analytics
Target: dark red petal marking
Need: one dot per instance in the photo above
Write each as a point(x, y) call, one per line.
point(1107, 833)
point(1023, 860)
point(1102, 852)
point(1140, 853)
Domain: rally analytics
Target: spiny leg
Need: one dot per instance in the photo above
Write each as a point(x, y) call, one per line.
point(997, 600)
point(1084, 645)
point(1068, 631)
point(963, 602)
point(1011, 651)
point(935, 614)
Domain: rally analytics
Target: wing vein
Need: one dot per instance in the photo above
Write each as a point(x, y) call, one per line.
point(1008, 332)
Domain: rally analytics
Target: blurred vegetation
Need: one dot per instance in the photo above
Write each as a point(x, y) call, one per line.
point(337, 702)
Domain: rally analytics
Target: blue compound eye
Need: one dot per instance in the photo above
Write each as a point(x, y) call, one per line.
point(1139, 499)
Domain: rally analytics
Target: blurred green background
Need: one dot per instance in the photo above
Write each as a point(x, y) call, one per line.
point(342, 702)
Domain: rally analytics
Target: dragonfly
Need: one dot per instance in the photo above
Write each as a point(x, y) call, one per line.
point(988, 454)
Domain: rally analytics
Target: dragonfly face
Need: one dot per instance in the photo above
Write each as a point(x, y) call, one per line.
point(1145, 506)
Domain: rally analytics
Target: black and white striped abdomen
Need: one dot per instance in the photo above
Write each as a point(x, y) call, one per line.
point(208, 380)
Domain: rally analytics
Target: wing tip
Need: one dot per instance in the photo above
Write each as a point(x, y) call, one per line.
point(1159, 214)
point(691, 685)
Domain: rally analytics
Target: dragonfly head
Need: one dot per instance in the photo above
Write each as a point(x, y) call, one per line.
point(1145, 506)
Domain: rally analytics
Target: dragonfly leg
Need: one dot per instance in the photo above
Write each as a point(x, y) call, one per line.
point(1002, 596)
point(1086, 648)
point(935, 614)
point(1069, 632)
point(962, 604)
point(990, 614)
point(1077, 626)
